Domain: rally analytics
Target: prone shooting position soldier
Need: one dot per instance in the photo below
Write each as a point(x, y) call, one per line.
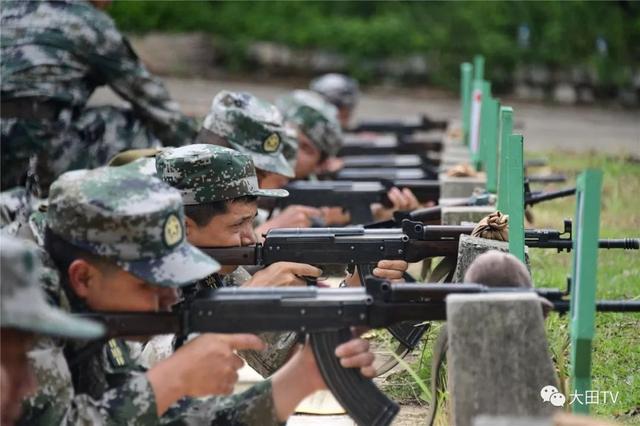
point(118, 240)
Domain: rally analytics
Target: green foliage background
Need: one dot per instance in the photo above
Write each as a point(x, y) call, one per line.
point(562, 33)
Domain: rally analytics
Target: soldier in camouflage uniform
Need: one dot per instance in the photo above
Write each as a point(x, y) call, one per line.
point(54, 55)
point(24, 315)
point(342, 91)
point(118, 240)
point(255, 127)
point(318, 129)
point(319, 139)
point(219, 189)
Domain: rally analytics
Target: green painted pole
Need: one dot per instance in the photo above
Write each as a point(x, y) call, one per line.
point(466, 71)
point(584, 282)
point(506, 128)
point(515, 183)
point(478, 67)
point(489, 142)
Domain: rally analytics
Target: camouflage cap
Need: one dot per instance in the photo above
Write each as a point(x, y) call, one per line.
point(252, 126)
point(207, 173)
point(135, 220)
point(315, 117)
point(23, 304)
point(339, 89)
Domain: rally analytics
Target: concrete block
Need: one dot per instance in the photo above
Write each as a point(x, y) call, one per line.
point(471, 247)
point(458, 187)
point(457, 215)
point(498, 356)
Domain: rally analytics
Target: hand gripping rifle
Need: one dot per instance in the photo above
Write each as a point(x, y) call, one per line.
point(355, 197)
point(433, 214)
point(326, 315)
point(364, 248)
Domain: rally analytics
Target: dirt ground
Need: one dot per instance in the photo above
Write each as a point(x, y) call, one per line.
point(545, 127)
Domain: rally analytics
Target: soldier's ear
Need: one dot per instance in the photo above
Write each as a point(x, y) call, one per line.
point(82, 275)
point(191, 226)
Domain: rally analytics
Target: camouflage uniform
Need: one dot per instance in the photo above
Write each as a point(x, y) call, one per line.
point(54, 55)
point(137, 222)
point(254, 127)
point(209, 173)
point(315, 117)
point(23, 305)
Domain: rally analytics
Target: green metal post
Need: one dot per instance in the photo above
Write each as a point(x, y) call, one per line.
point(515, 183)
point(466, 71)
point(478, 67)
point(492, 140)
point(583, 292)
point(506, 128)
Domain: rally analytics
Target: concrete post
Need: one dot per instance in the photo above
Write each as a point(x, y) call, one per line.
point(498, 356)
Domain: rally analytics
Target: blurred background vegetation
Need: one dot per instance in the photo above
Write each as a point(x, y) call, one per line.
point(601, 37)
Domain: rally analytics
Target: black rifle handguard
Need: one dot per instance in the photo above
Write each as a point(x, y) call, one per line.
point(359, 396)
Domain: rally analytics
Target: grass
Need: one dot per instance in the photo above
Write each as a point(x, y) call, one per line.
point(616, 347)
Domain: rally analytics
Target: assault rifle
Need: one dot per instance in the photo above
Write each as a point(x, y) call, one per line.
point(326, 315)
point(356, 197)
point(422, 124)
point(364, 248)
point(398, 161)
point(376, 172)
point(386, 173)
point(366, 144)
point(433, 214)
point(415, 161)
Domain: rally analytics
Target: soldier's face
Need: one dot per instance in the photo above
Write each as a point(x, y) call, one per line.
point(270, 180)
point(113, 290)
point(16, 375)
point(231, 229)
point(308, 157)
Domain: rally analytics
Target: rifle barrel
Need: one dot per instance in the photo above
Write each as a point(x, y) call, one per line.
point(562, 306)
point(546, 196)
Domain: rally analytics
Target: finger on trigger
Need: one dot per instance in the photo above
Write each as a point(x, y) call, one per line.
point(245, 341)
point(360, 360)
point(302, 269)
point(387, 273)
point(368, 371)
point(352, 347)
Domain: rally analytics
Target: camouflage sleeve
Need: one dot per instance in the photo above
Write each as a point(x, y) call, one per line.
point(279, 348)
point(279, 345)
point(56, 403)
point(252, 407)
point(120, 68)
